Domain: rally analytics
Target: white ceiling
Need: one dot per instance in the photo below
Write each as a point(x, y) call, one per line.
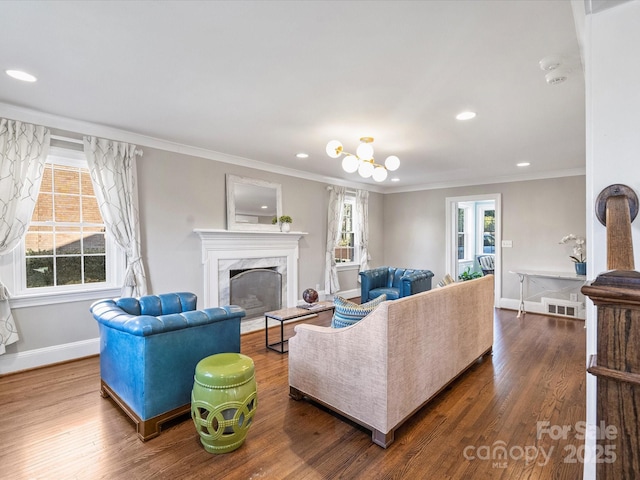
point(267, 79)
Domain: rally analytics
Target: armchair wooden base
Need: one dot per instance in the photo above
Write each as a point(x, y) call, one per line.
point(149, 428)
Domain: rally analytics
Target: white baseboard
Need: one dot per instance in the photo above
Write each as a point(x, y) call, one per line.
point(529, 307)
point(347, 293)
point(39, 357)
point(514, 304)
point(324, 296)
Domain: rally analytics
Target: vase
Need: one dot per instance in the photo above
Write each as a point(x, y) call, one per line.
point(581, 268)
point(285, 227)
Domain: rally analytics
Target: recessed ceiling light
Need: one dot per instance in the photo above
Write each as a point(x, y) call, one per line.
point(20, 75)
point(302, 155)
point(550, 63)
point(465, 115)
point(264, 207)
point(395, 179)
point(523, 164)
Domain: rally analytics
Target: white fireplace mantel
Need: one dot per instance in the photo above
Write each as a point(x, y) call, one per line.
point(220, 245)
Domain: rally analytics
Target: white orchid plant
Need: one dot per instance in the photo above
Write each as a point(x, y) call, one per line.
point(579, 248)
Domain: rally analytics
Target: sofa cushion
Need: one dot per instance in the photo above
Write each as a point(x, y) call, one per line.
point(348, 313)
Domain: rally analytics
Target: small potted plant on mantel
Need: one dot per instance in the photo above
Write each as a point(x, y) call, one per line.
point(285, 222)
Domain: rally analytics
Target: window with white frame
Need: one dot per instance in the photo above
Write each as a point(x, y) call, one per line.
point(66, 248)
point(486, 218)
point(476, 229)
point(346, 251)
point(465, 232)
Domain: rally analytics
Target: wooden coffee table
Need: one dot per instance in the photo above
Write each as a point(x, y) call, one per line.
point(293, 313)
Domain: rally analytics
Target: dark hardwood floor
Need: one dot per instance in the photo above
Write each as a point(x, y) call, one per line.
point(55, 425)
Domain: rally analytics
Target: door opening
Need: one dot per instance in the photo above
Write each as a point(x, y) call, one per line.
point(474, 236)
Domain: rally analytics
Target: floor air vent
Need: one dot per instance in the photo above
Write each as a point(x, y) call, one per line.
point(565, 308)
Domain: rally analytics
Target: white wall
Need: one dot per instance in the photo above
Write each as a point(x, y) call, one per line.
point(612, 83)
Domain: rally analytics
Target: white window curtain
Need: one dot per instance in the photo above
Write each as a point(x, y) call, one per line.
point(362, 216)
point(23, 150)
point(113, 173)
point(334, 219)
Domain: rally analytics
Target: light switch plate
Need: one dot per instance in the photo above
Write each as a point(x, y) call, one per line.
point(507, 243)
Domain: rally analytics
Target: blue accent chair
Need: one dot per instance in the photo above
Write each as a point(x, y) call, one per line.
point(149, 348)
point(394, 282)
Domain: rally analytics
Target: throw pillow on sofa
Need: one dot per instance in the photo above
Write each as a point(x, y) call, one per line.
point(348, 313)
point(447, 280)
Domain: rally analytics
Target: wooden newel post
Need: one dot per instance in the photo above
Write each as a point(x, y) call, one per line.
point(616, 294)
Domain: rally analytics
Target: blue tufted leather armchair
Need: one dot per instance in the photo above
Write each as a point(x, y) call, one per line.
point(149, 348)
point(394, 282)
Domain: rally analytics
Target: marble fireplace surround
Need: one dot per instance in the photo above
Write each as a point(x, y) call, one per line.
point(225, 250)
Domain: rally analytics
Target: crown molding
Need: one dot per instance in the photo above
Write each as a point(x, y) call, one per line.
point(573, 172)
point(88, 128)
point(597, 6)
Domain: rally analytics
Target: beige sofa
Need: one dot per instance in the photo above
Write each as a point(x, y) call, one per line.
point(381, 370)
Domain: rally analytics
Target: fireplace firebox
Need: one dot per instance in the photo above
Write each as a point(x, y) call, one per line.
point(257, 290)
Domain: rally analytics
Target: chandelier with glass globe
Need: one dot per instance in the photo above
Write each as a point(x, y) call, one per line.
point(362, 161)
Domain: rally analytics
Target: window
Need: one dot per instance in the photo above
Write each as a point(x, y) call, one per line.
point(487, 225)
point(465, 232)
point(65, 243)
point(461, 234)
point(346, 250)
point(476, 229)
point(66, 248)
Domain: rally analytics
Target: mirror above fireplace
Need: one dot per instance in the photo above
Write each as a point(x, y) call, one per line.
point(252, 204)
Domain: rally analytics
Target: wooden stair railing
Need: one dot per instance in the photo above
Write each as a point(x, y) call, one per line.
point(616, 294)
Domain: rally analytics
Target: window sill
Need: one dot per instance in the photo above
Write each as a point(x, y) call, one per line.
point(33, 300)
point(347, 266)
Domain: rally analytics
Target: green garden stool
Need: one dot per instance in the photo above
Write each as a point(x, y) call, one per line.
point(223, 400)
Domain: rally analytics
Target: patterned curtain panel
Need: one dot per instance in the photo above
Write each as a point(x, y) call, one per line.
point(334, 219)
point(23, 150)
point(362, 219)
point(113, 173)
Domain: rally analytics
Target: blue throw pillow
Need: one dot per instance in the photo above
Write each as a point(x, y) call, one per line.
point(348, 313)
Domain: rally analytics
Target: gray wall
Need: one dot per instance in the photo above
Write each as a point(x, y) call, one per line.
point(45, 326)
point(536, 214)
point(178, 193)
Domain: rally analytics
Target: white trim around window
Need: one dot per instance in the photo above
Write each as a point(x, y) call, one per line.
point(347, 266)
point(350, 198)
point(12, 272)
point(12, 265)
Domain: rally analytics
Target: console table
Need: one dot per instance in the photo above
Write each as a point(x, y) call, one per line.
point(522, 274)
point(293, 313)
